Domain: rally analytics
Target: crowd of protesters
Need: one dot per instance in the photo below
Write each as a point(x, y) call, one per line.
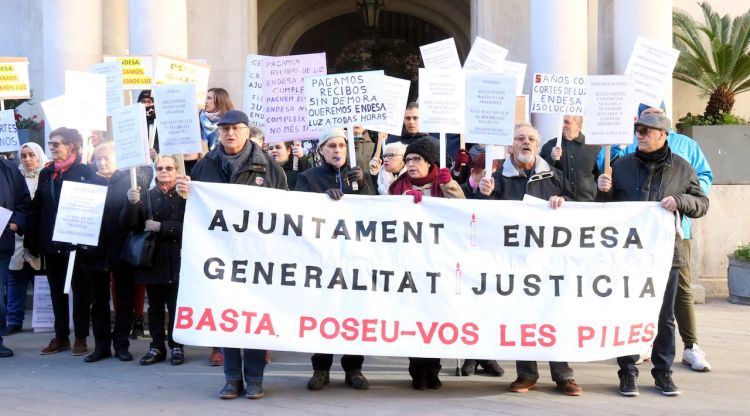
point(236, 152)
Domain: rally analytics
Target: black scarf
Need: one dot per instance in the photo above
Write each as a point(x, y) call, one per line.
point(230, 164)
point(653, 157)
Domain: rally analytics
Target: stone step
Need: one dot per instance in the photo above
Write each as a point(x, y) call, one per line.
point(715, 286)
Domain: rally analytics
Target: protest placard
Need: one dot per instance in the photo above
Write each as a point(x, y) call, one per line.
point(177, 119)
point(5, 215)
point(85, 100)
point(252, 102)
point(442, 278)
point(79, 213)
point(558, 94)
point(55, 112)
point(42, 315)
point(115, 93)
point(490, 108)
point(170, 70)
point(8, 134)
point(284, 101)
point(484, 56)
point(137, 71)
point(130, 136)
point(346, 99)
point(609, 109)
point(441, 100)
point(522, 108)
point(14, 78)
point(515, 70)
point(651, 65)
point(396, 95)
point(440, 55)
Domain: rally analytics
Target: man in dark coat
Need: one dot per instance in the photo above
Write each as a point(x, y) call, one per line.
point(524, 172)
point(238, 160)
point(14, 196)
point(654, 173)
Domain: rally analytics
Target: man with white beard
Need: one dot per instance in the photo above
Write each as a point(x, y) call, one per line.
point(525, 172)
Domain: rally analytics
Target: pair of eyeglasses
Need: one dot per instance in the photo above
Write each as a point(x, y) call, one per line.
point(390, 155)
point(227, 129)
point(54, 145)
point(522, 138)
point(642, 130)
point(413, 159)
point(165, 168)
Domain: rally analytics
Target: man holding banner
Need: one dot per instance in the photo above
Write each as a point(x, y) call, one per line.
point(525, 172)
point(654, 173)
point(238, 160)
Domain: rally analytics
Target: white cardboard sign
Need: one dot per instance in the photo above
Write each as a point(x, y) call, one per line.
point(609, 109)
point(441, 100)
point(346, 99)
point(79, 213)
point(651, 65)
point(515, 70)
point(86, 95)
point(252, 102)
point(115, 88)
point(56, 111)
point(177, 119)
point(558, 94)
point(5, 215)
point(396, 95)
point(440, 55)
point(130, 136)
point(168, 71)
point(8, 133)
point(490, 108)
point(485, 56)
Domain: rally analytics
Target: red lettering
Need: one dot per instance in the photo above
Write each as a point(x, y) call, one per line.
point(454, 333)
point(503, 341)
point(324, 323)
point(229, 323)
point(634, 333)
point(648, 333)
point(368, 328)
point(248, 320)
point(470, 333)
point(306, 323)
point(585, 333)
point(184, 318)
point(547, 335)
point(527, 334)
point(604, 336)
point(207, 319)
point(427, 337)
point(350, 331)
point(618, 342)
point(385, 336)
point(265, 325)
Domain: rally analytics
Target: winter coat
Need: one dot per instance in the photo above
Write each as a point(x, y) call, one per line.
point(635, 180)
point(577, 164)
point(169, 210)
point(291, 174)
point(324, 177)
point(259, 170)
point(512, 184)
point(14, 196)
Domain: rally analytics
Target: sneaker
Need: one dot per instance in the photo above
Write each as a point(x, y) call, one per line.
point(492, 368)
point(231, 390)
point(469, 367)
point(569, 387)
point(666, 385)
point(5, 352)
point(80, 347)
point(178, 356)
point(522, 385)
point(216, 358)
point(319, 380)
point(627, 385)
point(695, 358)
point(254, 390)
point(56, 345)
point(355, 379)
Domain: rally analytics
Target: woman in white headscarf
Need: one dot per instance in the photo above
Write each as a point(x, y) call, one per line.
point(22, 263)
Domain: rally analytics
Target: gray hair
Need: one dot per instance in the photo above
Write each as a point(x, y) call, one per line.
point(397, 148)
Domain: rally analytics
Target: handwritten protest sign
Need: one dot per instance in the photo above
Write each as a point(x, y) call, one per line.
point(284, 101)
point(252, 103)
point(340, 100)
point(440, 55)
point(441, 100)
point(177, 119)
point(558, 94)
point(490, 108)
point(515, 70)
point(651, 65)
point(179, 71)
point(484, 56)
point(8, 134)
point(55, 111)
point(396, 95)
point(609, 109)
point(14, 78)
point(79, 213)
point(86, 100)
point(137, 71)
point(130, 136)
point(113, 72)
point(443, 278)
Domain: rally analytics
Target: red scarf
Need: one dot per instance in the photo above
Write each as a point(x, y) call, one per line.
point(62, 167)
point(404, 183)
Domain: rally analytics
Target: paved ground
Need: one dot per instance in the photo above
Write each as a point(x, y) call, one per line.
point(61, 384)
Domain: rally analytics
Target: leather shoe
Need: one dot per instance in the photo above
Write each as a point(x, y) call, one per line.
point(124, 355)
point(97, 355)
point(5, 352)
point(13, 329)
point(231, 390)
point(254, 390)
point(154, 355)
point(216, 358)
point(178, 356)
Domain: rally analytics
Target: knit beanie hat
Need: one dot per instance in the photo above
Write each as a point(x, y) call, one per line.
point(424, 148)
point(329, 134)
point(144, 94)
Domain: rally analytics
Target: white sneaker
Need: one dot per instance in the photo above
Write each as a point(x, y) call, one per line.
point(696, 359)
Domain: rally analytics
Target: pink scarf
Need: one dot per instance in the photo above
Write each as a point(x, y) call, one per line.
point(62, 167)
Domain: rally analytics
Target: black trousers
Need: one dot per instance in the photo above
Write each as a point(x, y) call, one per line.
point(424, 364)
point(162, 296)
point(125, 292)
point(348, 362)
point(98, 288)
point(57, 266)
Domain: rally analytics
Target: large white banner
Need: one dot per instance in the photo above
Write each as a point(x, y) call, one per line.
point(380, 275)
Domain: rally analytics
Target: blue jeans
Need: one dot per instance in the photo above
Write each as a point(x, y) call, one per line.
point(4, 263)
point(663, 351)
point(18, 284)
point(250, 363)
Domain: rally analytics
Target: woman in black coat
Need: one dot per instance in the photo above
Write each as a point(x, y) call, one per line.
point(161, 211)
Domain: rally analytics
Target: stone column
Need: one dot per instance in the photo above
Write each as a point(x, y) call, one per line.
point(559, 44)
point(159, 27)
point(115, 41)
point(71, 38)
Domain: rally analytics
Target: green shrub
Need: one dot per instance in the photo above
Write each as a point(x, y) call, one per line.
point(709, 120)
point(742, 252)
